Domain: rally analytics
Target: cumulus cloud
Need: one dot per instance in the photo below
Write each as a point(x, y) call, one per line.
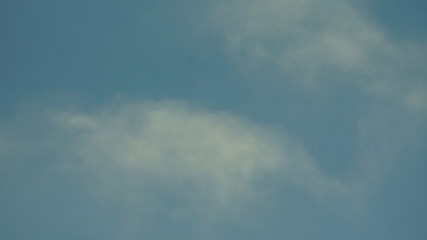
point(317, 42)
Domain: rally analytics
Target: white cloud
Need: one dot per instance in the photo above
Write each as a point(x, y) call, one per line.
point(216, 155)
point(316, 42)
point(136, 151)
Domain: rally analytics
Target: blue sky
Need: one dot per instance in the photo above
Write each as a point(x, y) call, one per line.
point(240, 119)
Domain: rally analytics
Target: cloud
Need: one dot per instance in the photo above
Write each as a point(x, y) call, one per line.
point(315, 43)
point(150, 145)
point(134, 150)
point(170, 155)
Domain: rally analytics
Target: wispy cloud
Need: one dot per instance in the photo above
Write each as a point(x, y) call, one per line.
point(314, 43)
point(167, 146)
point(146, 154)
point(213, 156)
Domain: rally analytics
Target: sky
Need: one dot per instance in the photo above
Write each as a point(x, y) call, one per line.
point(237, 119)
